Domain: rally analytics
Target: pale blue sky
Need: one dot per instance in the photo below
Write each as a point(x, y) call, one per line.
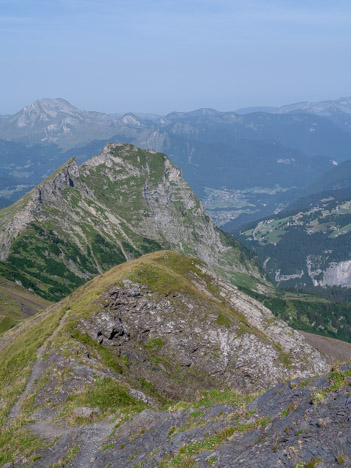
point(164, 55)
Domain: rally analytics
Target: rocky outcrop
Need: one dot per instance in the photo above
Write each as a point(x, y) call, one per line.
point(338, 274)
point(200, 342)
point(199, 334)
point(299, 423)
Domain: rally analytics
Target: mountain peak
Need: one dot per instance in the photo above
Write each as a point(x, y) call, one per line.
point(132, 120)
point(119, 205)
point(50, 107)
point(57, 121)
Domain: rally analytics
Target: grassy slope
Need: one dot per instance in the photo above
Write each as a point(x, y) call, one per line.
point(321, 224)
point(17, 303)
point(309, 313)
point(333, 350)
point(317, 227)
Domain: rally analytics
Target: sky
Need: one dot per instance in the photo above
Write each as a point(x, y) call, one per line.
point(164, 55)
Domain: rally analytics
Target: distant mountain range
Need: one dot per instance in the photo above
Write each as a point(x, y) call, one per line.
point(338, 110)
point(56, 121)
point(242, 167)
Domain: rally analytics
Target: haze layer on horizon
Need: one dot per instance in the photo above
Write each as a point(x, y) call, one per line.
point(164, 55)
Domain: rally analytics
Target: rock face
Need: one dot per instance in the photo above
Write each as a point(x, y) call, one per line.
point(338, 274)
point(93, 372)
point(242, 345)
point(117, 206)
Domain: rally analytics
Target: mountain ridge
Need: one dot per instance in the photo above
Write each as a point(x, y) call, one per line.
point(119, 205)
point(151, 334)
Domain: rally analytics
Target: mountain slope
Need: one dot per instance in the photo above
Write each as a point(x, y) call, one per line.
point(117, 206)
point(308, 245)
point(337, 178)
point(17, 303)
point(146, 334)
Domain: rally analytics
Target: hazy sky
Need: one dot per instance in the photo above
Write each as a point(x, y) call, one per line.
point(164, 55)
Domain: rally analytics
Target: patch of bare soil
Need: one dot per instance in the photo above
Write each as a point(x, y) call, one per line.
point(331, 349)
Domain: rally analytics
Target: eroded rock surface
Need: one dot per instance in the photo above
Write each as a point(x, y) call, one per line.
point(291, 425)
point(183, 343)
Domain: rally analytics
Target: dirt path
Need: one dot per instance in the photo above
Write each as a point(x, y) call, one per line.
point(88, 438)
point(37, 369)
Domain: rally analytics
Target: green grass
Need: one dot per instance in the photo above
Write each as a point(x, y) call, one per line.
point(16, 360)
point(289, 410)
point(211, 442)
point(214, 397)
point(224, 320)
point(107, 395)
point(110, 359)
point(154, 343)
point(196, 414)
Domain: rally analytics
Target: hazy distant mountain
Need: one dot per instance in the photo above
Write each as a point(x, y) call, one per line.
point(338, 110)
point(309, 133)
point(56, 121)
point(339, 177)
point(250, 110)
point(324, 108)
point(140, 115)
point(242, 166)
